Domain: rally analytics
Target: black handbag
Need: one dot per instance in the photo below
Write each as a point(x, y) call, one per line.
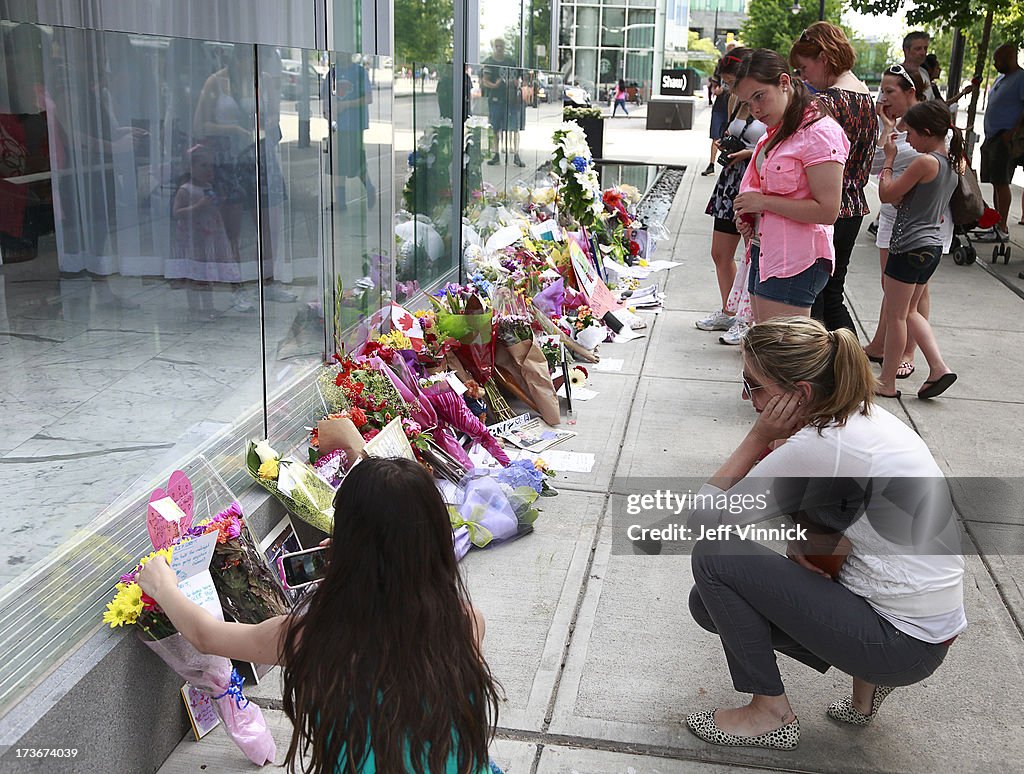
point(967, 203)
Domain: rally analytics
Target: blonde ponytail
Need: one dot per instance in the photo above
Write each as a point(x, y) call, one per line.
point(788, 350)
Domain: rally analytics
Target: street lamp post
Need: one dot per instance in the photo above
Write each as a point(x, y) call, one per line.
point(821, 9)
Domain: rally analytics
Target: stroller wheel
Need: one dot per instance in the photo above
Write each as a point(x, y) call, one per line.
point(960, 256)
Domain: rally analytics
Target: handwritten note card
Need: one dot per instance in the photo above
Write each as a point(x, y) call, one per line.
point(200, 589)
point(200, 710)
point(193, 556)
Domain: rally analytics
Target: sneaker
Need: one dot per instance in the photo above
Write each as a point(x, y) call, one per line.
point(709, 171)
point(873, 228)
point(241, 301)
point(496, 159)
point(716, 321)
point(735, 334)
point(279, 294)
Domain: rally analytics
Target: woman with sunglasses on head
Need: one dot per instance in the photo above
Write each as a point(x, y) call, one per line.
point(900, 90)
point(921, 195)
point(896, 608)
point(790, 194)
point(735, 315)
point(825, 58)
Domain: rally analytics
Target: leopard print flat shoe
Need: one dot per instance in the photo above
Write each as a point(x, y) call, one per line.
point(703, 724)
point(845, 711)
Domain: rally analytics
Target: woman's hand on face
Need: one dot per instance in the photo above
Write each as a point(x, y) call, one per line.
point(156, 577)
point(781, 417)
point(750, 202)
point(887, 123)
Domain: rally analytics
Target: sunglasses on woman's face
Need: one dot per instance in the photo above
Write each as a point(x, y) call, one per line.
point(901, 71)
point(748, 388)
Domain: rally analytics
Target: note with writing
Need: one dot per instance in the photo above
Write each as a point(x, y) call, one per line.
point(193, 556)
point(200, 589)
point(200, 710)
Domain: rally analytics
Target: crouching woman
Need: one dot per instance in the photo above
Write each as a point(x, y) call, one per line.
point(894, 611)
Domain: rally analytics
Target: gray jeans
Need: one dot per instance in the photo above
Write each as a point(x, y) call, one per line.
point(760, 602)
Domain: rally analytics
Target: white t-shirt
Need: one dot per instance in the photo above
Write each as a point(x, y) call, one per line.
point(921, 594)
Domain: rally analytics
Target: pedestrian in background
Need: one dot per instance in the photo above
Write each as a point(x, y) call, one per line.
point(1004, 118)
point(825, 58)
point(719, 118)
point(620, 98)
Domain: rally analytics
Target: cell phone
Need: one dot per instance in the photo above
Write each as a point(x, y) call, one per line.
point(302, 568)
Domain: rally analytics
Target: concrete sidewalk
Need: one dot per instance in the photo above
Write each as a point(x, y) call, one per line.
point(597, 653)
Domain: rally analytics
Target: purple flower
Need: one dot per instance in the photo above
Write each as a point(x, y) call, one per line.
point(232, 510)
point(128, 577)
point(580, 163)
point(522, 473)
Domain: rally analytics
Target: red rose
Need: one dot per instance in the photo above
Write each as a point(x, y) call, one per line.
point(634, 248)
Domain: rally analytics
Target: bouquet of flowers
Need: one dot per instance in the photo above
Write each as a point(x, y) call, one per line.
point(461, 315)
point(297, 486)
point(587, 329)
point(579, 191)
point(213, 675)
point(248, 590)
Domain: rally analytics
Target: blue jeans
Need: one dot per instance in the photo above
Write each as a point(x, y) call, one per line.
point(799, 290)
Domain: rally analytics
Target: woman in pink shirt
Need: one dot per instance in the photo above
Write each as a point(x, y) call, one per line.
point(790, 195)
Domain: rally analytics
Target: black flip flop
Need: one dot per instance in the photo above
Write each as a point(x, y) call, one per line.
point(936, 388)
point(874, 358)
point(896, 394)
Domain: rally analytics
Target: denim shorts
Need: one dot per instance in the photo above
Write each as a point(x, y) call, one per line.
point(798, 290)
point(915, 267)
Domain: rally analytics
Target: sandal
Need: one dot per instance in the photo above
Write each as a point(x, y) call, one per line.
point(873, 358)
point(935, 388)
point(896, 394)
point(906, 369)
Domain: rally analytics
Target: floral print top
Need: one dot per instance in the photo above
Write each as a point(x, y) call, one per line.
point(855, 112)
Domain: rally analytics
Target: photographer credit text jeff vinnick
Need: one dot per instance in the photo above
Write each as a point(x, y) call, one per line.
point(664, 500)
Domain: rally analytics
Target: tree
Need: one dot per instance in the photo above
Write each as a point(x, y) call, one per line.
point(423, 32)
point(873, 56)
point(772, 24)
point(707, 55)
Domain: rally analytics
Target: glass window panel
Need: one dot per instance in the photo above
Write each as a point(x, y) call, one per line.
point(587, 25)
point(586, 70)
point(609, 71)
point(565, 27)
point(640, 33)
point(612, 29)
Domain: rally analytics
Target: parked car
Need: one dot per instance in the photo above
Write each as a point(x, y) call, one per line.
point(291, 79)
point(575, 96)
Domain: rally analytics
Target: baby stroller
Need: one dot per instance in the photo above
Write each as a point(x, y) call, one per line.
point(964, 252)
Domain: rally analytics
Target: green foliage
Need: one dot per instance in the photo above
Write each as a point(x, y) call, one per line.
point(704, 46)
point(771, 24)
point(952, 13)
point(423, 31)
point(874, 56)
point(579, 113)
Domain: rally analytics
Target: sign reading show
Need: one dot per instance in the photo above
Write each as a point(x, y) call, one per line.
point(677, 83)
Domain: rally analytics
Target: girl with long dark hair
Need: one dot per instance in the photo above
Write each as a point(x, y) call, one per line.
point(383, 670)
point(922, 195)
point(791, 193)
point(825, 58)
